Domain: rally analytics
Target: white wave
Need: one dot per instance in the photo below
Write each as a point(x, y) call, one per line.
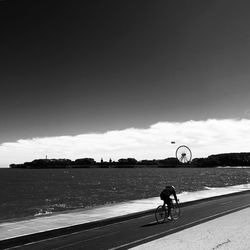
point(43, 213)
point(209, 188)
point(234, 167)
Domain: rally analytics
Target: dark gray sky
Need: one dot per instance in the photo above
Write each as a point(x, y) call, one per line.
point(73, 67)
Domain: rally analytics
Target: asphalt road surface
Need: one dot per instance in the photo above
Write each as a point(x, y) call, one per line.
point(126, 234)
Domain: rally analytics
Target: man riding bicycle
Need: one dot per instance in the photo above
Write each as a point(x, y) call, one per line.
point(165, 196)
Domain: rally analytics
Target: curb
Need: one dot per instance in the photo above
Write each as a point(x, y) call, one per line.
point(25, 239)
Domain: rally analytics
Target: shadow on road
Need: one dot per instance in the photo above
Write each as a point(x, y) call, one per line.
point(151, 224)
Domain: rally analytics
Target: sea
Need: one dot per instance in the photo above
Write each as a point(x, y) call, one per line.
point(28, 193)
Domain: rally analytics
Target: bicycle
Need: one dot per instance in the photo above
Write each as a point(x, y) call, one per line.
point(161, 212)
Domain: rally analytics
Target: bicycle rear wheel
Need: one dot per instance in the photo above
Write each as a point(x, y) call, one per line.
point(175, 211)
point(160, 214)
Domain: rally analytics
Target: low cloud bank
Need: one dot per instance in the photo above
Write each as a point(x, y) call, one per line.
point(203, 137)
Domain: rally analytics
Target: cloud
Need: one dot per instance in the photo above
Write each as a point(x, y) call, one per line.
point(203, 137)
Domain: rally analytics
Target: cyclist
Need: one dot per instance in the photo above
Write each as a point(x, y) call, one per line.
point(165, 196)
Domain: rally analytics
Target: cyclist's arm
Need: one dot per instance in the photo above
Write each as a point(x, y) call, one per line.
point(164, 204)
point(175, 197)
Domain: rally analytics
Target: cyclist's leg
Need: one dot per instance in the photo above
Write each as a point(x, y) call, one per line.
point(169, 203)
point(164, 204)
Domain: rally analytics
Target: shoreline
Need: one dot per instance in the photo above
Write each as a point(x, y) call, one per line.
point(223, 159)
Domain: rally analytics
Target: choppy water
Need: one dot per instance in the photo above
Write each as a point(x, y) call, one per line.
point(34, 192)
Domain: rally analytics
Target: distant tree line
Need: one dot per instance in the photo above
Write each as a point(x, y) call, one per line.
point(230, 159)
point(223, 160)
point(91, 163)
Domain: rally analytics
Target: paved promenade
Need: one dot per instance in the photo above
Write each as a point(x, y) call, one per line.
point(49, 224)
point(231, 231)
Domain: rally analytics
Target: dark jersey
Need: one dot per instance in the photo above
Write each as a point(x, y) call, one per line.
point(169, 190)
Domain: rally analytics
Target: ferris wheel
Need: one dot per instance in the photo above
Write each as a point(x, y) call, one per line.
point(183, 154)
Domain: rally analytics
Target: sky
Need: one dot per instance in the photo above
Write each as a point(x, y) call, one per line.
point(113, 79)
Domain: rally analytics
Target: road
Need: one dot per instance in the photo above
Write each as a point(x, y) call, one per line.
point(126, 234)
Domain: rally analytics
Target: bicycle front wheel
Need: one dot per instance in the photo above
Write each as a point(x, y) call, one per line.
point(160, 214)
point(175, 211)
